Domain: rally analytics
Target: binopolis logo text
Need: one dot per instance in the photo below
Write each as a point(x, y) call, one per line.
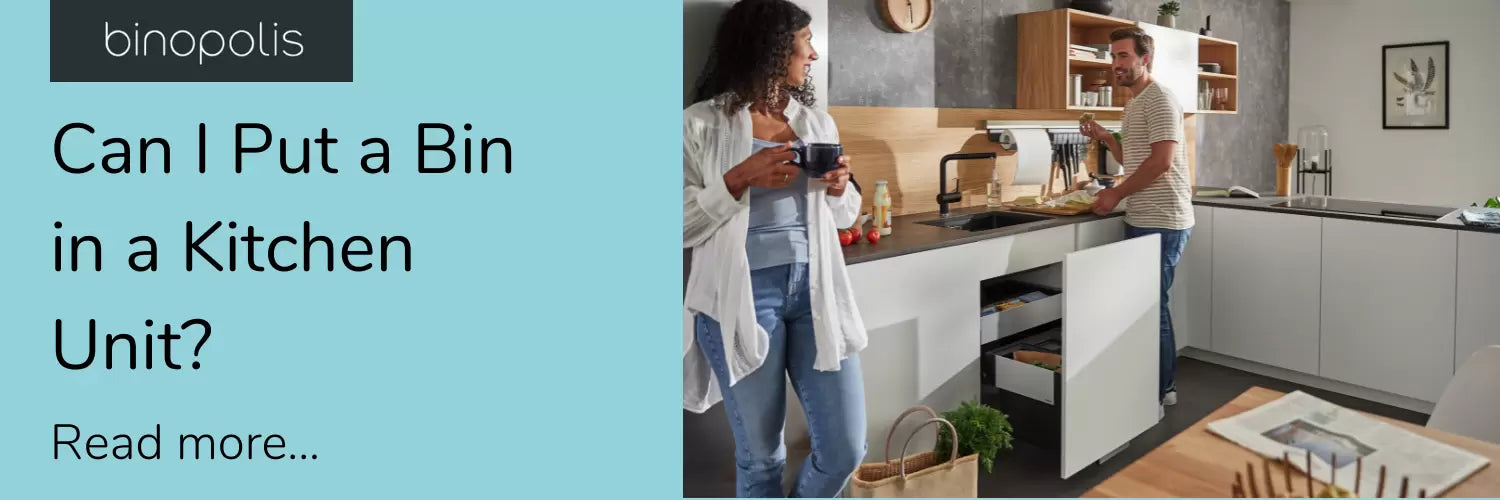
point(139, 42)
point(198, 41)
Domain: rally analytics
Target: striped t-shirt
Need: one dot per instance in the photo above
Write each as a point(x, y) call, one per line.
point(1167, 203)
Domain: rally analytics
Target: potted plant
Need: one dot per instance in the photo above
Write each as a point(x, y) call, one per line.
point(1101, 7)
point(1166, 15)
point(981, 429)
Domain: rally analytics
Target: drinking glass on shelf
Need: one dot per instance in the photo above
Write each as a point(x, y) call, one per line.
point(1221, 98)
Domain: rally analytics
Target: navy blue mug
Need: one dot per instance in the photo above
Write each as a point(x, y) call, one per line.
point(818, 158)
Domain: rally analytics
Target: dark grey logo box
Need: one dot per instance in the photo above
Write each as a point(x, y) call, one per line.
point(231, 41)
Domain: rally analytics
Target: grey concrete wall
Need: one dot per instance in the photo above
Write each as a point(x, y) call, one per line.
point(967, 59)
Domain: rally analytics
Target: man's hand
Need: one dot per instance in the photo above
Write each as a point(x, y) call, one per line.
point(1095, 131)
point(1105, 201)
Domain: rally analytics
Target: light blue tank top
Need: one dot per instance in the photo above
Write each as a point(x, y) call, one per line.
point(778, 221)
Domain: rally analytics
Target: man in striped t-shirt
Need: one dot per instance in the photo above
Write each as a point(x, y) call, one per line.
point(1158, 197)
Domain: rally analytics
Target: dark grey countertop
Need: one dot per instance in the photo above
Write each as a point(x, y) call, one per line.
point(909, 236)
point(1267, 204)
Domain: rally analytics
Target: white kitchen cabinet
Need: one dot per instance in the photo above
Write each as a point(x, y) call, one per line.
point(921, 312)
point(1176, 65)
point(1100, 232)
point(1388, 293)
point(1106, 393)
point(1265, 305)
point(921, 326)
point(1478, 314)
point(1191, 296)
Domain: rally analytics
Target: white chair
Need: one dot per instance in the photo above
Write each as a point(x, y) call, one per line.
point(1470, 405)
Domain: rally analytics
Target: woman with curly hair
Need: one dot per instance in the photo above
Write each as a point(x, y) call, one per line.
point(768, 298)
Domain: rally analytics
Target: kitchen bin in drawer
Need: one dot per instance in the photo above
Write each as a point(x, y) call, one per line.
point(996, 324)
point(1028, 394)
point(1021, 377)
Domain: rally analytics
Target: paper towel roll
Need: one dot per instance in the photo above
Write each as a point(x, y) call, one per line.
point(1033, 156)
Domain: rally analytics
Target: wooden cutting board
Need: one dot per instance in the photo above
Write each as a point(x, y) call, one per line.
point(1043, 209)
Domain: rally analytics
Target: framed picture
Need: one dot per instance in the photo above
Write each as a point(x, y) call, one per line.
point(1414, 85)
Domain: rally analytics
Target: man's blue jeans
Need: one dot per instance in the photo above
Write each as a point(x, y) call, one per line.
point(1173, 241)
point(834, 402)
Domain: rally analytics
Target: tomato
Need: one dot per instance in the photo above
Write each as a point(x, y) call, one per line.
point(873, 235)
point(846, 237)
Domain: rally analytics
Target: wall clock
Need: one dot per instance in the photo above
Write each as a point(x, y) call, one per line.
point(907, 16)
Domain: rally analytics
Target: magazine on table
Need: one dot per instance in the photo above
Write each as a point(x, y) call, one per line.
point(1298, 424)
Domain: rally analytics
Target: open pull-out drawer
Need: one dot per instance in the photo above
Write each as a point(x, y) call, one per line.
point(1022, 377)
point(1105, 392)
point(1036, 305)
point(1027, 393)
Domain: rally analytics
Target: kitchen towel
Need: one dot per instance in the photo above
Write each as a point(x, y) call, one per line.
point(1033, 156)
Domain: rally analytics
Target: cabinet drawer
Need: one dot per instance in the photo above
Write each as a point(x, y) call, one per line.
point(1025, 379)
point(1028, 394)
point(997, 325)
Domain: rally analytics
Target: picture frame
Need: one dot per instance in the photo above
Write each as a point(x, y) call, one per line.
point(1410, 96)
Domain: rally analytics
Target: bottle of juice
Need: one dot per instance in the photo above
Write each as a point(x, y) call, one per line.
point(882, 204)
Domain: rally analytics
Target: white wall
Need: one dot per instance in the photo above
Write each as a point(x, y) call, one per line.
point(701, 17)
point(1335, 70)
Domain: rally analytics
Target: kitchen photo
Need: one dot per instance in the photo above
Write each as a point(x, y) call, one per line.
point(1102, 248)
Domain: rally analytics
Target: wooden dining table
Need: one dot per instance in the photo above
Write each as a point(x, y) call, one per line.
point(1200, 464)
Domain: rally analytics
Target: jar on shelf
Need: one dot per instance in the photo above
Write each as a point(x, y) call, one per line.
point(1076, 90)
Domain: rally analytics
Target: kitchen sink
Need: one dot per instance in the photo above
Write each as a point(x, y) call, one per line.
point(984, 221)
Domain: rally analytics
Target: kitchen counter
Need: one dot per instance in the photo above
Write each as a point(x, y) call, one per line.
point(1448, 219)
point(908, 235)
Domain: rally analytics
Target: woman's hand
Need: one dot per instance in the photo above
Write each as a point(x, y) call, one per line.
point(767, 168)
point(838, 179)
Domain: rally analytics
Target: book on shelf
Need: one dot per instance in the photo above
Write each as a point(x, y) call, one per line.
point(1089, 55)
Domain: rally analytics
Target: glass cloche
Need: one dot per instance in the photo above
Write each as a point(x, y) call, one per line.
point(1313, 141)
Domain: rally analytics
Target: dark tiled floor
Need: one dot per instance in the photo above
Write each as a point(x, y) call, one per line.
point(1027, 470)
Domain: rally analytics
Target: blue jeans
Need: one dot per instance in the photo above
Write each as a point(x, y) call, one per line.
point(1172, 243)
point(833, 402)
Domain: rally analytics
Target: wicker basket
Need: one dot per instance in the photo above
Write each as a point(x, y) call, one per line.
point(920, 475)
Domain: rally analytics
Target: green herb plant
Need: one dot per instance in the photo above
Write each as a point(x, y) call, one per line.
point(1171, 8)
point(982, 430)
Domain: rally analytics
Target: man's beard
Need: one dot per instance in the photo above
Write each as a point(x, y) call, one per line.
point(1127, 79)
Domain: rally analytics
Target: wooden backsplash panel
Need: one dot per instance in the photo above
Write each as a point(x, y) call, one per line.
point(905, 145)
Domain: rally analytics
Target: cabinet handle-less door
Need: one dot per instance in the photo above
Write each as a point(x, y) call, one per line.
point(1175, 65)
point(1111, 296)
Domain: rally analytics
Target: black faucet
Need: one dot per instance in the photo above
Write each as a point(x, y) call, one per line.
point(944, 197)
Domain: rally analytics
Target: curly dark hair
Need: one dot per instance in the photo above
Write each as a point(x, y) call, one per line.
point(750, 54)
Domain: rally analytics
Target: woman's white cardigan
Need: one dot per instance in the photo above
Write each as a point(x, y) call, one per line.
point(714, 226)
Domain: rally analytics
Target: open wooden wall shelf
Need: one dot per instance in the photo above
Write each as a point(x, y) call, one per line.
point(1044, 64)
point(1227, 55)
